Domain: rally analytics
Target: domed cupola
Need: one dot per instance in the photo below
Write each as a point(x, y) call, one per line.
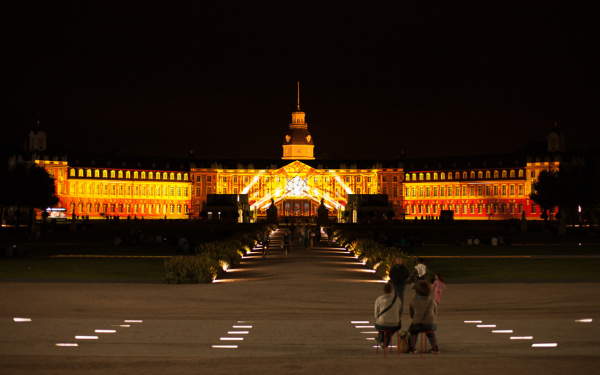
point(298, 143)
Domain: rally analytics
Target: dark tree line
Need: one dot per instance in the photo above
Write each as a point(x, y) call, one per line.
point(573, 186)
point(26, 187)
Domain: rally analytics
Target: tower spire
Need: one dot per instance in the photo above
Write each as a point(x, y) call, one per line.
point(298, 95)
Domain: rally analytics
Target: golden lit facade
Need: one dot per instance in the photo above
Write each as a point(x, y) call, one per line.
point(101, 192)
point(297, 184)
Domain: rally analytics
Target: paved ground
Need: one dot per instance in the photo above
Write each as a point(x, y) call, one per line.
point(299, 315)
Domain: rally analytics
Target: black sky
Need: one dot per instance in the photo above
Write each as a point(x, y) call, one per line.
point(156, 78)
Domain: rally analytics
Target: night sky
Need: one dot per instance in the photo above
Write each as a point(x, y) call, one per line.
point(154, 78)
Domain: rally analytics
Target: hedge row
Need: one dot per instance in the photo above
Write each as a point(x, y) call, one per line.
point(212, 259)
point(374, 254)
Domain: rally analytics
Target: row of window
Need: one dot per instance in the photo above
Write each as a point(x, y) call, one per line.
point(466, 191)
point(490, 209)
point(472, 175)
point(128, 208)
point(127, 174)
point(126, 190)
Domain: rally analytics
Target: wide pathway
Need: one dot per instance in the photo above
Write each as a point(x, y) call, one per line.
point(308, 312)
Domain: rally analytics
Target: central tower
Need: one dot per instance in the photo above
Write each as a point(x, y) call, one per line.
point(298, 143)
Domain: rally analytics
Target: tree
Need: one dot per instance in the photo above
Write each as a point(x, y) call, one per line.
point(546, 191)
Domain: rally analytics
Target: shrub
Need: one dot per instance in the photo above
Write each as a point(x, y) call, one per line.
point(191, 270)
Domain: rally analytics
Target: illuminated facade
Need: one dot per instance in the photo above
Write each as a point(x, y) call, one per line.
point(493, 187)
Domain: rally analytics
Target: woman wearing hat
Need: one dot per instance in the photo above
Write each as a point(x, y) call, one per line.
point(423, 311)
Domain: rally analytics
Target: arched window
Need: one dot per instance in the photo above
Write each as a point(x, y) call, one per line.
point(165, 176)
point(171, 176)
point(120, 174)
point(178, 176)
point(457, 175)
point(442, 176)
point(512, 174)
point(520, 173)
point(128, 175)
point(472, 175)
point(428, 176)
point(496, 174)
point(185, 177)
point(88, 173)
point(449, 175)
point(80, 174)
point(488, 174)
point(408, 177)
point(135, 175)
point(143, 175)
point(421, 176)
point(504, 174)
point(112, 174)
point(150, 175)
point(96, 173)
point(480, 175)
point(435, 176)
point(464, 175)
point(157, 175)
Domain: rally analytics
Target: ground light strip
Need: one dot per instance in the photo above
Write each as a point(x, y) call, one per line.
point(545, 345)
point(21, 320)
point(521, 337)
point(589, 320)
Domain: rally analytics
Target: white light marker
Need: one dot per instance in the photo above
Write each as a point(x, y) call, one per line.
point(365, 326)
point(486, 326)
point(589, 320)
point(545, 345)
point(121, 325)
point(360, 322)
point(21, 320)
point(502, 331)
point(86, 337)
point(369, 332)
point(133, 321)
point(473, 321)
point(242, 327)
point(521, 337)
point(66, 344)
point(105, 331)
point(225, 346)
point(238, 332)
point(232, 338)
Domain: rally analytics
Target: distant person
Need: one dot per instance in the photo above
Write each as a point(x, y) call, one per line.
point(419, 273)
point(438, 286)
point(286, 243)
point(387, 314)
point(398, 275)
point(423, 311)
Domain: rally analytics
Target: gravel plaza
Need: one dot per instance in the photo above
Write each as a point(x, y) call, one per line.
point(309, 312)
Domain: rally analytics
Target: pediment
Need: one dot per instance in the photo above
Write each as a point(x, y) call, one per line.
point(295, 167)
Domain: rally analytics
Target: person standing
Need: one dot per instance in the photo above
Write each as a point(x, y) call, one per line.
point(398, 275)
point(387, 315)
point(419, 273)
point(423, 311)
point(438, 286)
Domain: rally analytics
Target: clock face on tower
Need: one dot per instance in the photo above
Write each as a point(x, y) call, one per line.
point(296, 187)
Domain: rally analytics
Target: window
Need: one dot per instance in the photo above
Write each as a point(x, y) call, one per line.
point(144, 190)
point(113, 190)
point(465, 207)
point(151, 191)
point(112, 174)
point(428, 176)
point(357, 179)
point(435, 176)
point(488, 190)
point(88, 173)
point(442, 191)
point(151, 175)
point(472, 175)
point(208, 190)
point(479, 209)
point(171, 176)
point(179, 191)
point(480, 175)
point(128, 175)
point(198, 191)
point(533, 209)
point(80, 174)
point(128, 208)
point(421, 191)
point(480, 190)
point(464, 191)
point(457, 175)
point(408, 177)
point(435, 191)
point(504, 190)
point(488, 174)
point(450, 176)
point(512, 208)
point(449, 190)
point(504, 174)
point(198, 178)
point(395, 194)
point(143, 176)
point(520, 173)
point(495, 189)
point(120, 189)
point(407, 192)
point(420, 177)
point(395, 179)
point(208, 178)
point(472, 209)
point(178, 176)
point(496, 174)
point(464, 175)
point(512, 189)
point(472, 191)
point(135, 175)
point(443, 176)
point(512, 174)
point(128, 190)
point(96, 173)
point(520, 190)
point(120, 206)
point(520, 208)
point(120, 174)
point(428, 191)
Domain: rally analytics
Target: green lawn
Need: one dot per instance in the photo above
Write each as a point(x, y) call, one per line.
point(71, 269)
point(517, 269)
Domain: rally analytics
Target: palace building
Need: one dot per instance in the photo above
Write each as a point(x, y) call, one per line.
point(489, 187)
